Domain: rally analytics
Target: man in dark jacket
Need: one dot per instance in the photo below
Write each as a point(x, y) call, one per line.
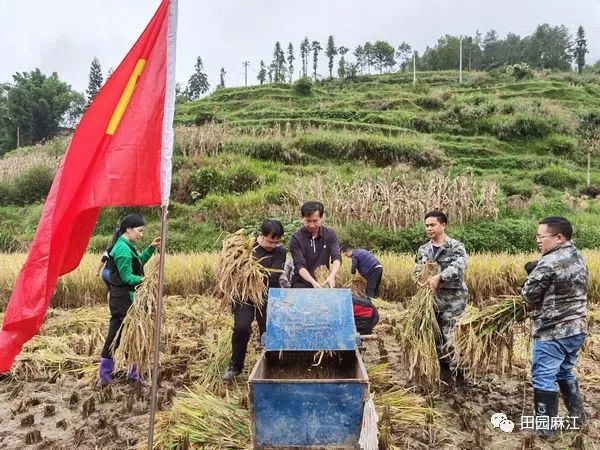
point(312, 246)
point(556, 297)
point(368, 266)
point(271, 254)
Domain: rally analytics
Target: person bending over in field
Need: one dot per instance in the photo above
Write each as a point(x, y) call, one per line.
point(271, 253)
point(126, 267)
point(367, 266)
point(555, 294)
point(312, 246)
point(448, 285)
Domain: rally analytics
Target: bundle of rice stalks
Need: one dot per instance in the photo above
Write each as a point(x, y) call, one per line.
point(405, 408)
point(136, 347)
point(89, 320)
point(321, 274)
point(483, 339)
point(216, 354)
point(205, 421)
point(420, 330)
point(381, 376)
point(49, 357)
point(241, 277)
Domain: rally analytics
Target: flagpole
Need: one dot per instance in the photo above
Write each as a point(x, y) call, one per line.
point(158, 323)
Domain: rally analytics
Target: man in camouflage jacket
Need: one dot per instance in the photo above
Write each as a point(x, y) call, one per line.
point(556, 297)
point(448, 285)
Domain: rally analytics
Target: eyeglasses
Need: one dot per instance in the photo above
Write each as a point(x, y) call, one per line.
point(270, 242)
point(539, 237)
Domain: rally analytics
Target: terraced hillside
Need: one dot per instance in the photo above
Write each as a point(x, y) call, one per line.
point(365, 147)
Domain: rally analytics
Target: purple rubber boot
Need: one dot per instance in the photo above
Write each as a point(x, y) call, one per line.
point(107, 366)
point(133, 375)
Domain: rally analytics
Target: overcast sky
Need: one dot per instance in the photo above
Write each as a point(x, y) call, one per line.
point(64, 35)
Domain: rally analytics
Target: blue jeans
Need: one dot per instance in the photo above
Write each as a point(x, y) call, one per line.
point(554, 361)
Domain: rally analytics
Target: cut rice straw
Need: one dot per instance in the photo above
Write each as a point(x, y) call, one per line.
point(483, 339)
point(241, 277)
point(420, 332)
point(136, 346)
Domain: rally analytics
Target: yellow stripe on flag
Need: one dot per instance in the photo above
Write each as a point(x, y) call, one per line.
point(125, 97)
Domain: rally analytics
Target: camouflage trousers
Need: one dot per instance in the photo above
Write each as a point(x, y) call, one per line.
point(451, 305)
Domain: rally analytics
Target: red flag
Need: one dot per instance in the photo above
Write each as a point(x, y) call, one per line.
point(120, 154)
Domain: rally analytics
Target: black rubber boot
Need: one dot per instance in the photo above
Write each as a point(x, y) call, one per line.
point(546, 404)
point(571, 395)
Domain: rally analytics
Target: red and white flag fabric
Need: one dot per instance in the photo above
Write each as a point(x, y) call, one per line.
point(119, 155)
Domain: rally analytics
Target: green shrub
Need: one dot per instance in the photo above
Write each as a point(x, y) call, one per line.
point(522, 186)
point(429, 102)
point(557, 177)
point(205, 117)
point(561, 145)
point(265, 149)
point(237, 179)
point(8, 242)
point(519, 126)
point(31, 186)
point(509, 235)
point(303, 86)
point(240, 179)
point(203, 181)
point(520, 71)
point(381, 150)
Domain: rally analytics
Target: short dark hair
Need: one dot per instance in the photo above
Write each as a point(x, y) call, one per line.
point(271, 227)
point(440, 216)
point(558, 225)
point(311, 207)
point(345, 247)
point(529, 266)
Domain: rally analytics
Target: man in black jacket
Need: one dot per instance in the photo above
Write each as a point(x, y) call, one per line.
point(312, 246)
point(271, 254)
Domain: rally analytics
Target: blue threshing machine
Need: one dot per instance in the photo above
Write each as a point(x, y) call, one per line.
point(309, 386)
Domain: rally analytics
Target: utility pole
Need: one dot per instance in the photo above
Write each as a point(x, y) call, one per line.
point(460, 62)
point(246, 64)
point(414, 69)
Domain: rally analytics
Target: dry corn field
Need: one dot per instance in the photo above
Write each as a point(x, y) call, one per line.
point(49, 399)
point(395, 202)
point(209, 139)
point(19, 163)
point(488, 276)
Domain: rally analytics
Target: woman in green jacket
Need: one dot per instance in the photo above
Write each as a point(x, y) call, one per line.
point(126, 266)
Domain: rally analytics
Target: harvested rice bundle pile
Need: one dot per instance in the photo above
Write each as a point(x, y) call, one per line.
point(420, 330)
point(199, 419)
point(241, 277)
point(483, 339)
point(49, 357)
point(136, 347)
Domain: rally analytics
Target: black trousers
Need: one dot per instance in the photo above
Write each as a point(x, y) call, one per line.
point(243, 316)
point(373, 281)
point(119, 304)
